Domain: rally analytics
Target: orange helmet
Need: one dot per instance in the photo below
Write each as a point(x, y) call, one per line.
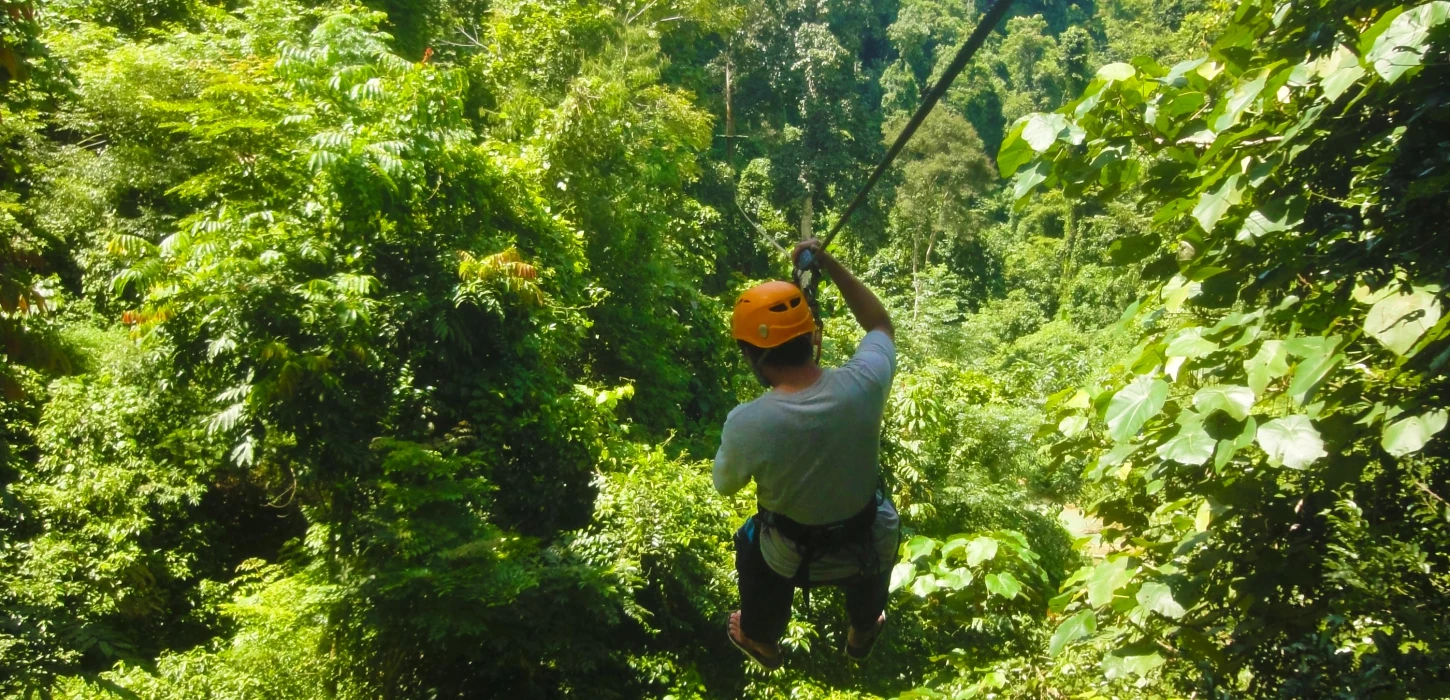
point(769, 314)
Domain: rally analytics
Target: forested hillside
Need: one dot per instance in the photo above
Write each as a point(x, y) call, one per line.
point(357, 350)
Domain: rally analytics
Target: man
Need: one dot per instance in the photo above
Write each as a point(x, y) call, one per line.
point(811, 444)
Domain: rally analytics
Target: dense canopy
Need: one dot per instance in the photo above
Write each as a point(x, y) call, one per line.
point(357, 350)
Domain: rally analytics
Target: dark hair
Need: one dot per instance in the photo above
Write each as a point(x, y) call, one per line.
point(792, 353)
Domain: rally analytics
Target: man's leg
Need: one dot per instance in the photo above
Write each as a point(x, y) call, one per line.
point(866, 600)
point(765, 596)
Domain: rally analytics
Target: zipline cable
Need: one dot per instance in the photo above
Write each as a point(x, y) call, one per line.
point(979, 36)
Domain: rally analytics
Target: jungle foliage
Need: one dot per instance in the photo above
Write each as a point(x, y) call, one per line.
point(379, 349)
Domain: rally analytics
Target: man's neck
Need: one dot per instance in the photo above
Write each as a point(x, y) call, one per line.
point(788, 380)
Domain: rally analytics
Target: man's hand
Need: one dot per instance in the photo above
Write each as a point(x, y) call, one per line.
point(811, 244)
point(864, 305)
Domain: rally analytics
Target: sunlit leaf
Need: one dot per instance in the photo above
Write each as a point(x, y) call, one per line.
point(981, 549)
point(1291, 441)
point(1213, 205)
point(1236, 401)
point(1269, 363)
point(1398, 321)
point(1190, 446)
point(1106, 579)
point(1081, 625)
point(1158, 598)
point(1411, 434)
point(1004, 584)
point(1134, 405)
point(1402, 46)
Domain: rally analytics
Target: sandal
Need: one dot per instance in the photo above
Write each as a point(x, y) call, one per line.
point(766, 662)
point(859, 653)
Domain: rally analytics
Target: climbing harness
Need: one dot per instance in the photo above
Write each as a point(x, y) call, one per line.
point(815, 542)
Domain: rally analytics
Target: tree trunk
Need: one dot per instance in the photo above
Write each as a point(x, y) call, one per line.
point(729, 118)
point(806, 213)
point(1065, 282)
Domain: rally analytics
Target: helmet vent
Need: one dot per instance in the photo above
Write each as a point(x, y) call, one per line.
point(795, 302)
point(778, 308)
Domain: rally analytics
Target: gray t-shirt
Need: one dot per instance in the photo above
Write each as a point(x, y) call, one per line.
point(814, 455)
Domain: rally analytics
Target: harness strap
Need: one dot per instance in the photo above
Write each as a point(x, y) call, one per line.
point(815, 542)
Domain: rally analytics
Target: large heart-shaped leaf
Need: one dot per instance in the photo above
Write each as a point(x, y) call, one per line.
point(1134, 405)
point(1271, 362)
point(1029, 179)
point(1158, 598)
point(1409, 435)
point(1338, 72)
point(1106, 579)
point(924, 585)
point(901, 574)
point(1014, 152)
point(1291, 441)
point(1402, 46)
point(1236, 401)
point(1004, 584)
point(1238, 101)
point(981, 549)
point(1213, 205)
point(1311, 372)
point(919, 546)
point(1190, 446)
point(1042, 130)
point(1072, 629)
point(1398, 321)
point(1190, 343)
point(1117, 665)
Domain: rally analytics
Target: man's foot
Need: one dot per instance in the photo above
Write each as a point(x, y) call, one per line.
point(767, 655)
point(859, 644)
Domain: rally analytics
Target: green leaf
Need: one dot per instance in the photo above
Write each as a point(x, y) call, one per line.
point(1029, 179)
point(1398, 321)
point(1072, 425)
point(1072, 629)
point(1338, 72)
point(902, 574)
point(955, 579)
point(1236, 401)
point(1280, 215)
point(981, 549)
point(1158, 598)
point(1117, 71)
point(1212, 205)
point(1291, 441)
point(1106, 579)
point(953, 547)
point(1042, 130)
point(1004, 584)
point(1191, 344)
point(1411, 434)
point(1201, 519)
point(919, 546)
point(1117, 666)
point(1238, 101)
point(1271, 362)
point(1014, 152)
point(1135, 405)
point(924, 585)
point(1190, 446)
point(1402, 45)
point(1310, 373)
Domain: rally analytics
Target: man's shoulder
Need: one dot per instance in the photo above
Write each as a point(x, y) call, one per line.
point(747, 415)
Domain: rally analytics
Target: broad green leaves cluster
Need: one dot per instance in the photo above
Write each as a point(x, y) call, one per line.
point(1290, 368)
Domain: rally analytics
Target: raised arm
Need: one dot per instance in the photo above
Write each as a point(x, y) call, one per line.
point(864, 305)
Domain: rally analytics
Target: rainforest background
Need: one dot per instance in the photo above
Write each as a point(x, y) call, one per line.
point(379, 350)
